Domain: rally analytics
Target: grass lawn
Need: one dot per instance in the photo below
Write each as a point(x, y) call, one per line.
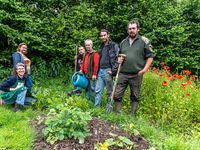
point(15, 129)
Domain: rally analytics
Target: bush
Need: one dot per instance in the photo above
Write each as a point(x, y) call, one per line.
point(67, 123)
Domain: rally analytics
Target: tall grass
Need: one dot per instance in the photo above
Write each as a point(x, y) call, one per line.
point(172, 101)
point(15, 129)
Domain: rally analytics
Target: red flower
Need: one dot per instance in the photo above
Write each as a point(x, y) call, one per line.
point(169, 76)
point(174, 76)
point(187, 72)
point(188, 94)
point(188, 82)
point(193, 78)
point(161, 75)
point(166, 67)
point(180, 77)
point(183, 85)
point(164, 84)
point(155, 70)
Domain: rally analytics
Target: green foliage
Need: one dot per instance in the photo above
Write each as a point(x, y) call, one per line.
point(119, 141)
point(53, 29)
point(52, 94)
point(15, 129)
point(173, 106)
point(4, 73)
point(67, 123)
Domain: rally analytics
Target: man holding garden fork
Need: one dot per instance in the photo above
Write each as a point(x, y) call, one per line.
point(139, 57)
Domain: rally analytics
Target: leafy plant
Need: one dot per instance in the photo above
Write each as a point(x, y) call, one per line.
point(118, 141)
point(67, 123)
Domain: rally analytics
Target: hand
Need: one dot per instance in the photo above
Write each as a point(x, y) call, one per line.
point(141, 72)
point(75, 57)
point(109, 72)
point(94, 77)
point(81, 72)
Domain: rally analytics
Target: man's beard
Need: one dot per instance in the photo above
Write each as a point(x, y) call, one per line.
point(132, 35)
point(105, 41)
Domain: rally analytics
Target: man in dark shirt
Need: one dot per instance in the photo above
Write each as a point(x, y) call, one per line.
point(79, 58)
point(107, 65)
point(139, 56)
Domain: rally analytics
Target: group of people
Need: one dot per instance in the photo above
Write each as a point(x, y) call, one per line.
point(101, 66)
point(17, 88)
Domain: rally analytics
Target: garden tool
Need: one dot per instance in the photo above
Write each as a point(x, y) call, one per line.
point(110, 103)
point(76, 49)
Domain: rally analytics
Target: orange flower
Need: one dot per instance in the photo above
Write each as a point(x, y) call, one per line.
point(188, 82)
point(155, 70)
point(161, 75)
point(174, 76)
point(187, 72)
point(169, 76)
point(180, 77)
point(193, 78)
point(166, 67)
point(188, 94)
point(183, 85)
point(164, 84)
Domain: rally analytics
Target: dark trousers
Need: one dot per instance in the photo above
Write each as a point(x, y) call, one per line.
point(134, 81)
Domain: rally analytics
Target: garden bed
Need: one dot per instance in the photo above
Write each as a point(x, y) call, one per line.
point(100, 131)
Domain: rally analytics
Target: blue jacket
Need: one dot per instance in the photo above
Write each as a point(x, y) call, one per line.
point(113, 54)
point(6, 85)
point(17, 57)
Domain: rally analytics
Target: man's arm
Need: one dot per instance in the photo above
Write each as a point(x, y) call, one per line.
point(96, 65)
point(146, 67)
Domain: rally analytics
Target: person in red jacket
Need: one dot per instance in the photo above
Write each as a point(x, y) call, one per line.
point(89, 67)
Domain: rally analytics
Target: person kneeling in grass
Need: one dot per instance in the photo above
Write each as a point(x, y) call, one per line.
point(16, 90)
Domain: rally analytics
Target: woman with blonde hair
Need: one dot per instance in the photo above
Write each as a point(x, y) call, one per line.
point(21, 56)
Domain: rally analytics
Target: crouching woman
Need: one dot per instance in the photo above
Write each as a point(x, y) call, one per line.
point(15, 88)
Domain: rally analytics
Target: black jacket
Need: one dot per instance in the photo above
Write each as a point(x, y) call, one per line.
point(113, 54)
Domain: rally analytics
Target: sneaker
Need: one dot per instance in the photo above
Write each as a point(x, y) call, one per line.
point(78, 94)
point(69, 94)
point(17, 110)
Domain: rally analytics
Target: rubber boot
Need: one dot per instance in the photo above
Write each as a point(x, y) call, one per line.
point(17, 108)
point(118, 106)
point(134, 108)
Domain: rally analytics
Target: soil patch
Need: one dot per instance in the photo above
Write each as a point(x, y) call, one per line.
point(100, 131)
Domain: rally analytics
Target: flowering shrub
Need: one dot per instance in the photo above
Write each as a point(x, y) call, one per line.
point(172, 100)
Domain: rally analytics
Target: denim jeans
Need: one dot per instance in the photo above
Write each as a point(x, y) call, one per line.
point(21, 98)
point(104, 79)
point(90, 88)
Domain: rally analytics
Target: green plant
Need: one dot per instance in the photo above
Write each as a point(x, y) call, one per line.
point(120, 141)
point(67, 123)
point(15, 129)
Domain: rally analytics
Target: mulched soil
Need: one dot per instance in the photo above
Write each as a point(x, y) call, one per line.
point(100, 131)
